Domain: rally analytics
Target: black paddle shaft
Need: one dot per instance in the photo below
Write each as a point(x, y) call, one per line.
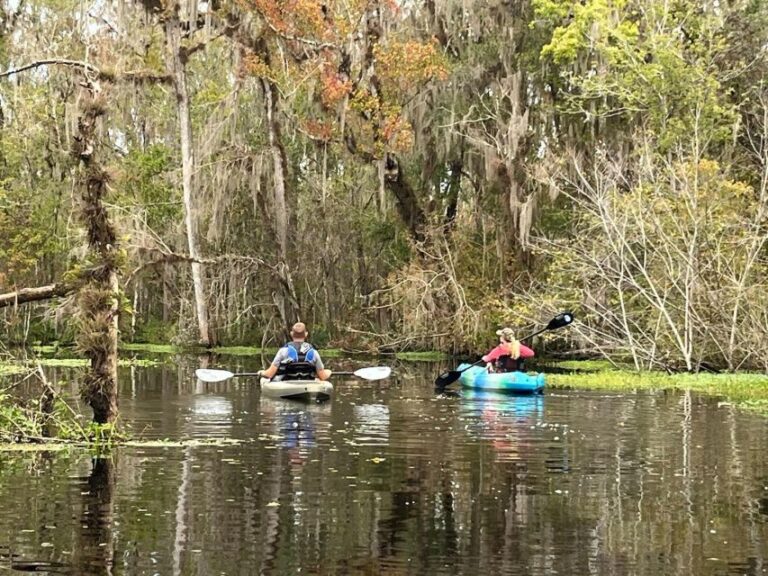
point(447, 378)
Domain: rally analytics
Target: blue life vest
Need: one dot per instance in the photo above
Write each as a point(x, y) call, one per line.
point(300, 362)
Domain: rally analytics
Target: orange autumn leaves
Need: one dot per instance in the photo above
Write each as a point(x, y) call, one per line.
point(404, 65)
point(334, 88)
point(294, 18)
point(375, 89)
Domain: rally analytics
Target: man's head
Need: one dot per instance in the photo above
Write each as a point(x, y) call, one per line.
point(299, 331)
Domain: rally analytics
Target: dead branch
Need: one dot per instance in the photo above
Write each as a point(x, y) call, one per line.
point(137, 76)
point(56, 61)
point(25, 295)
point(164, 258)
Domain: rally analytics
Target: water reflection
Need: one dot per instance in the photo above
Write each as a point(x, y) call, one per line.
point(371, 424)
point(94, 549)
point(502, 419)
point(393, 480)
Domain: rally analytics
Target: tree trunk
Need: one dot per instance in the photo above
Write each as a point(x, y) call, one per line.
point(98, 296)
point(24, 295)
point(278, 169)
point(177, 62)
point(454, 187)
point(408, 206)
point(286, 299)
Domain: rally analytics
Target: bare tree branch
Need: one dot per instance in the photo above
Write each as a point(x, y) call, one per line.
point(176, 258)
point(25, 295)
point(137, 76)
point(52, 61)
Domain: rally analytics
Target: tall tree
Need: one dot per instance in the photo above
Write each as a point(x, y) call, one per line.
point(177, 57)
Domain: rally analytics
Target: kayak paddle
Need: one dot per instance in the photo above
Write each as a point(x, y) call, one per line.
point(449, 377)
point(372, 373)
point(208, 375)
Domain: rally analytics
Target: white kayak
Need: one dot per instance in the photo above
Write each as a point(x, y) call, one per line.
point(307, 390)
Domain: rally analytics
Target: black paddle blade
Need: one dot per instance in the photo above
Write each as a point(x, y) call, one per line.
point(562, 319)
point(447, 378)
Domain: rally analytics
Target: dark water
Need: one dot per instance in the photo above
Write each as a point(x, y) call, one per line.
point(387, 478)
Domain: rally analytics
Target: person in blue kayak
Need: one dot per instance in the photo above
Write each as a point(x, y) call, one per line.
point(509, 355)
point(297, 360)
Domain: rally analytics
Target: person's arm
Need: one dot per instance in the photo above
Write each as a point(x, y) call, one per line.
point(320, 371)
point(269, 372)
point(272, 370)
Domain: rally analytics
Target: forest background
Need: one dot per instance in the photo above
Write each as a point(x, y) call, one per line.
point(399, 175)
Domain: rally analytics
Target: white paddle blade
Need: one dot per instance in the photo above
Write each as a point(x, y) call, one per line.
point(208, 375)
point(374, 373)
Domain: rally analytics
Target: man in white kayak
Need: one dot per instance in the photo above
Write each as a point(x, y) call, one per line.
point(297, 360)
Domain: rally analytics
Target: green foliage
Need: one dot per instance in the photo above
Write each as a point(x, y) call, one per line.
point(388, 237)
point(658, 106)
point(26, 238)
point(150, 330)
point(153, 348)
point(145, 184)
point(17, 422)
point(588, 23)
point(26, 421)
point(103, 435)
point(619, 59)
point(320, 336)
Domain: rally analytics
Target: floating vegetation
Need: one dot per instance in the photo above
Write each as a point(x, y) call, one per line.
point(47, 349)
point(37, 447)
point(254, 351)
point(243, 350)
point(8, 368)
point(579, 365)
point(747, 389)
point(60, 445)
point(83, 362)
point(223, 350)
point(182, 443)
point(151, 348)
point(429, 356)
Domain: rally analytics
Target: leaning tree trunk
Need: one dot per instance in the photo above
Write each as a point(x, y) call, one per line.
point(98, 295)
point(177, 63)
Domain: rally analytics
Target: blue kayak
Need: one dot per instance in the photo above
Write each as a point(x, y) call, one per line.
point(479, 378)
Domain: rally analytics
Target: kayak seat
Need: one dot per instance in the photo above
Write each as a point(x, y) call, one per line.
point(295, 371)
